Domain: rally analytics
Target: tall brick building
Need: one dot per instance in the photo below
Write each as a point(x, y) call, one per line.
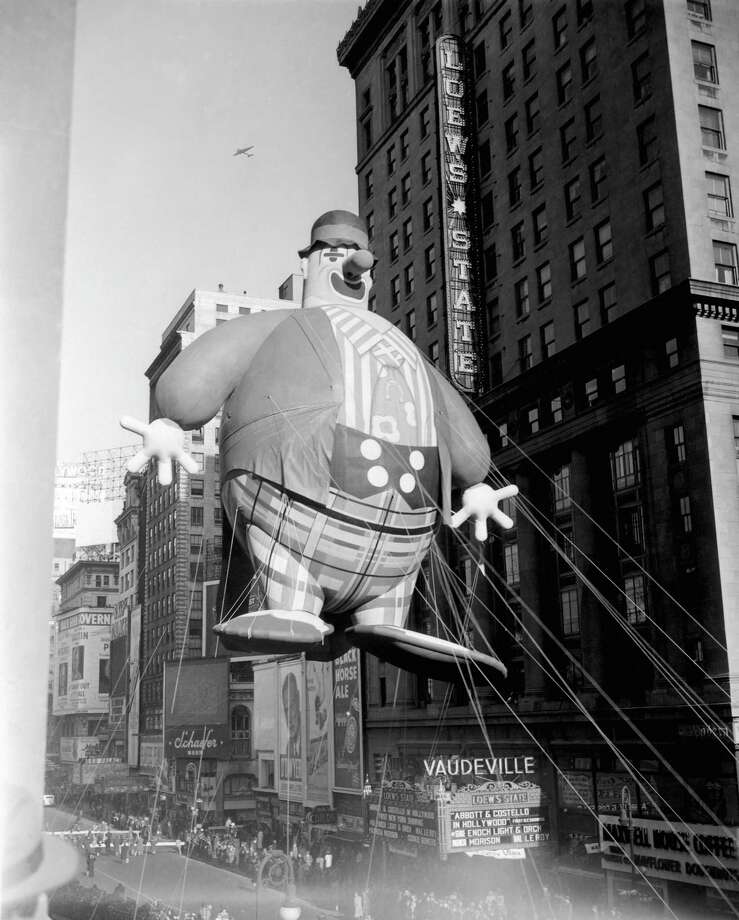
point(549, 194)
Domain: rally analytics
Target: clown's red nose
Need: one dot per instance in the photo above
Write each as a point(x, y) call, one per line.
point(356, 263)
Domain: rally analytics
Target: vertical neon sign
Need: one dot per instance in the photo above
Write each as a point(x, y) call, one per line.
point(458, 253)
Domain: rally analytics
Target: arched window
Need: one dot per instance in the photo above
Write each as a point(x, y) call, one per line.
point(241, 727)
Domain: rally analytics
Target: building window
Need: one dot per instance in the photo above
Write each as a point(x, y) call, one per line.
point(607, 302)
point(725, 262)
point(410, 325)
point(704, 62)
point(544, 282)
point(434, 353)
point(712, 127)
point(659, 267)
point(528, 56)
point(532, 420)
point(641, 77)
point(370, 226)
point(625, 465)
point(584, 11)
point(392, 203)
point(588, 61)
point(196, 516)
point(525, 353)
point(591, 391)
point(408, 280)
point(735, 422)
point(404, 145)
point(407, 234)
point(603, 242)
point(635, 599)
point(396, 81)
point(646, 134)
point(493, 316)
point(429, 260)
point(582, 319)
point(505, 27)
point(395, 291)
point(514, 186)
point(487, 210)
point(730, 340)
point(482, 110)
point(671, 353)
point(369, 184)
point(572, 198)
point(428, 214)
point(677, 447)
point(564, 83)
point(701, 9)
point(496, 369)
point(510, 559)
point(559, 28)
point(511, 133)
point(525, 12)
point(394, 246)
point(618, 378)
point(426, 168)
point(405, 188)
point(567, 138)
point(686, 518)
point(432, 309)
point(197, 435)
point(521, 292)
point(391, 160)
point(484, 158)
point(718, 190)
point(578, 268)
point(548, 343)
point(508, 77)
point(366, 124)
point(541, 227)
point(503, 435)
point(570, 612)
point(533, 113)
point(593, 119)
point(636, 17)
point(561, 488)
point(654, 206)
point(598, 179)
point(196, 487)
point(479, 59)
point(490, 263)
point(536, 168)
point(425, 121)
point(555, 409)
point(518, 242)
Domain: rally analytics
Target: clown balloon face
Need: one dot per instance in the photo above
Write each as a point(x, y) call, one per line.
point(338, 275)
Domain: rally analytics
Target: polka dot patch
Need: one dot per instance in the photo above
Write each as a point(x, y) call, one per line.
point(407, 483)
point(370, 449)
point(377, 476)
point(417, 460)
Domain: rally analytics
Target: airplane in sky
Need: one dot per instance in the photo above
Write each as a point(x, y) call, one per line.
point(245, 150)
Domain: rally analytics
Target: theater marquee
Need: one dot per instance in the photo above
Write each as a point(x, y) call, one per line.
point(460, 261)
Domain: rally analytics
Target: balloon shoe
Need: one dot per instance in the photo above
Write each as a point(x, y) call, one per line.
point(274, 632)
point(427, 655)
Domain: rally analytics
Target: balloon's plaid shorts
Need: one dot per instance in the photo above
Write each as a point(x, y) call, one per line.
point(352, 555)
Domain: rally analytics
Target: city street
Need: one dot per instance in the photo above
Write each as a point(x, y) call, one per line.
point(177, 882)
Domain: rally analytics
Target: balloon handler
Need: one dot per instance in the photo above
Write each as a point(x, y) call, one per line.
point(339, 446)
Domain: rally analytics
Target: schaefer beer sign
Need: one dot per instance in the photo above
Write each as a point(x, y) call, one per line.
point(460, 262)
point(192, 741)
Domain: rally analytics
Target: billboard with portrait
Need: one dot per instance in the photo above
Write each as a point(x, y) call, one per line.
point(317, 720)
point(291, 729)
point(82, 662)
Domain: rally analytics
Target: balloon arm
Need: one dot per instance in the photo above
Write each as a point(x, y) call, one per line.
point(468, 447)
point(198, 382)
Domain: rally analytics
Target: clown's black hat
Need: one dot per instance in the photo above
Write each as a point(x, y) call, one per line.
point(337, 228)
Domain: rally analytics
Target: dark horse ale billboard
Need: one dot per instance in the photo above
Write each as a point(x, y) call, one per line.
point(347, 723)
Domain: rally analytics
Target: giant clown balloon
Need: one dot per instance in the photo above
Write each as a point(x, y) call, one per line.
point(339, 448)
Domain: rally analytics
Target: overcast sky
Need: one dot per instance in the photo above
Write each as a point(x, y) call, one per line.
point(164, 93)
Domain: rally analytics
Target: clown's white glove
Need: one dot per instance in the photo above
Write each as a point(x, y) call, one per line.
point(164, 440)
point(481, 502)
